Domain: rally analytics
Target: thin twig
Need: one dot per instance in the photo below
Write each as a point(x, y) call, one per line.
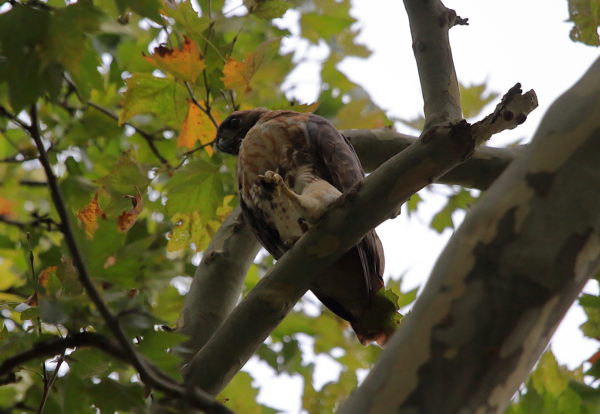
point(149, 374)
point(186, 155)
point(202, 108)
point(49, 383)
point(148, 137)
point(12, 117)
point(47, 349)
point(39, 221)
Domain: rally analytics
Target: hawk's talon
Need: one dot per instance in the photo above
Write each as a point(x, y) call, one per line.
point(271, 181)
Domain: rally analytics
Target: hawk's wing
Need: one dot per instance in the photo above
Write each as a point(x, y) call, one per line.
point(338, 163)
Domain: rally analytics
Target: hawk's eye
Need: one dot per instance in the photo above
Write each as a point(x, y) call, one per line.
point(233, 123)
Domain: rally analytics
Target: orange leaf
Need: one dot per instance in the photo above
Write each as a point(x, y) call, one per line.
point(89, 215)
point(237, 75)
point(45, 274)
point(127, 218)
point(4, 207)
point(185, 63)
point(196, 127)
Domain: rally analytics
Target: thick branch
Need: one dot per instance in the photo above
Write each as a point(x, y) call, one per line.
point(505, 279)
point(429, 25)
point(375, 146)
point(439, 149)
point(218, 283)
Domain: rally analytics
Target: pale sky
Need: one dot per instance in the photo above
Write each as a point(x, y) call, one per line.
point(506, 42)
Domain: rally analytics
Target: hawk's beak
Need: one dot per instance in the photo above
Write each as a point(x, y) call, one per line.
point(229, 146)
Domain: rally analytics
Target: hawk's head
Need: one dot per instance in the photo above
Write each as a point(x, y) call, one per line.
point(233, 129)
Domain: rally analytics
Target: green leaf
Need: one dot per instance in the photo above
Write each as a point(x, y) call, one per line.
point(413, 203)
point(461, 200)
point(8, 396)
point(169, 304)
point(442, 220)
point(22, 31)
point(65, 40)
point(155, 345)
point(548, 376)
point(267, 9)
point(240, 396)
point(51, 311)
point(474, 98)
point(196, 187)
point(585, 14)
point(187, 20)
point(145, 8)
point(316, 26)
point(111, 396)
point(587, 300)
point(89, 362)
point(162, 97)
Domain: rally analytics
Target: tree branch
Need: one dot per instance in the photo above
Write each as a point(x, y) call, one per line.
point(439, 149)
point(505, 279)
point(148, 137)
point(375, 146)
point(217, 283)
point(150, 374)
point(429, 25)
point(47, 349)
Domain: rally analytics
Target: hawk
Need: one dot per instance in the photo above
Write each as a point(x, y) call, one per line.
point(291, 168)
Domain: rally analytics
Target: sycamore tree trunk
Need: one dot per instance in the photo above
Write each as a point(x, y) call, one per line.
point(506, 277)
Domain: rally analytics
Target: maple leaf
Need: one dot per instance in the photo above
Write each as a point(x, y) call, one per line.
point(44, 277)
point(43, 281)
point(237, 74)
point(88, 216)
point(185, 63)
point(196, 127)
point(128, 217)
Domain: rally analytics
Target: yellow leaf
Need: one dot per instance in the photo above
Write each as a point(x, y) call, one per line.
point(196, 127)
point(193, 228)
point(180, 235)
point(237, 74)
point(185, 63)
point(88, 216)
point(10, 298)
point(127, 218)
point(9, 278)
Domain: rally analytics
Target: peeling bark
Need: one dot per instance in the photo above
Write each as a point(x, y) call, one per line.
point(505, 279)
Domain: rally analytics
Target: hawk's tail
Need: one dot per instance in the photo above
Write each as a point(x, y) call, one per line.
point(379, 321)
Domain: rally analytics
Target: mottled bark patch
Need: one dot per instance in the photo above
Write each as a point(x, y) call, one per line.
point(541, 182)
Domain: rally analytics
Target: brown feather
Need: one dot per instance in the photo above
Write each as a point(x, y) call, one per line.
point(297, 147)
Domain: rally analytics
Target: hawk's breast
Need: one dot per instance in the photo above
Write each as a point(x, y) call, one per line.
point(277, 143)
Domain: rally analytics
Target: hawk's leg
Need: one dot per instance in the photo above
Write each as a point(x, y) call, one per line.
point(317, 195)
